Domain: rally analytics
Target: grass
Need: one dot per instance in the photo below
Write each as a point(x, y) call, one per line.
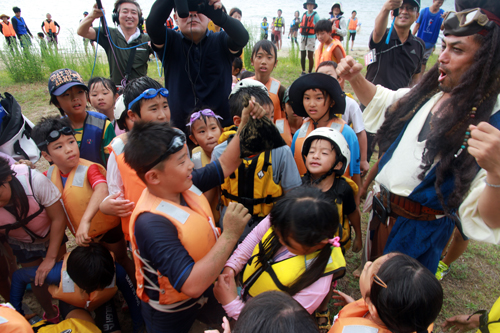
point(473, 281)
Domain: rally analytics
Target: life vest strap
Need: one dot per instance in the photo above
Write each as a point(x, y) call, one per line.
point(249, 202)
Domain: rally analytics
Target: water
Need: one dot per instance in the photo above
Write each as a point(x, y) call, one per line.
point(68, 13)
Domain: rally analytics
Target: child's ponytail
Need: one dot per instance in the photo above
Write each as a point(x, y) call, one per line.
point(291, 217)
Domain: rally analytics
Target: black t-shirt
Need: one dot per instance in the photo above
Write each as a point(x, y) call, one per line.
point(340, 192)
point(396, 63)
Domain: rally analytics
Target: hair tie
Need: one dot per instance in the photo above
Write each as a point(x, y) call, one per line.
point(334, 241)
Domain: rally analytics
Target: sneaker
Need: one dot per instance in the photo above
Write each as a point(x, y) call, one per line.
point(442, 270)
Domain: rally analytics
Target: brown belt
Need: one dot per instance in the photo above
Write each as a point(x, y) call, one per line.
point(402, 206)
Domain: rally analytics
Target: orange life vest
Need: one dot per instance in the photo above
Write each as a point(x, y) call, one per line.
point(12, 321)
point(273, 87)
point(170, 23)
point(132, 184)
point(307, 25)
point(308, 127)
point(353, 315)
point(353, 24)
point(69, 292)
point(8, 30)
point(196, 232)
point(321, 54)
point(284, 129)
point(76, 196)
point(49, 26)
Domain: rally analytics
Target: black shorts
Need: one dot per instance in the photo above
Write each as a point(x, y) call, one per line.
point(353, 36)
point(106, 317)
point(113, 236)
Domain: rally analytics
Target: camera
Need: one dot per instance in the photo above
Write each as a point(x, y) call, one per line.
point(185, 6)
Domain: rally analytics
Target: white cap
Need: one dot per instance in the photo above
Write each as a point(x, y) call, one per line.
point(119, 107)
point(246, 83)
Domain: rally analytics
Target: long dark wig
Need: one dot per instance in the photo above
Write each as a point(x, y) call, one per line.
point(478, 88)
point(18, 205)
point(307, 215)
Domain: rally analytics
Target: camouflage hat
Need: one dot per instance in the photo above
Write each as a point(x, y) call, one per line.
point(63, 79)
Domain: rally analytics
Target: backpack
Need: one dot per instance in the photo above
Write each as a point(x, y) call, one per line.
point(71, 325)
point(15, 131)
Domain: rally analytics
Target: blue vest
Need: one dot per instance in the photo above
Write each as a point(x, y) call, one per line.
point(93, 131)
point(21, 26)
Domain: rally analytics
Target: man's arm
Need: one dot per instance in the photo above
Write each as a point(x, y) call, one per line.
point(14, 25)
point(238, 35)
point(484, 145)
point(350, 70)
point(415, 29)
point(363, 148)
point(28, 29)
point(58, 28)
point(382, 19)
point(160, 11)
point(85, 28)
point(43, 28)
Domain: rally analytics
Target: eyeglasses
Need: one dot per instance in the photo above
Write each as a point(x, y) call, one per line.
point(149, 94)
point(175, 145)
point(205, 112)
point(408, 8)
point(55, 135)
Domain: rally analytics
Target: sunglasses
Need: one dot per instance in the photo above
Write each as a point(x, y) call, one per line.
point(408, 8)
point(175, 145)
point(55, 135)
point(205, 112)
point(149, 94)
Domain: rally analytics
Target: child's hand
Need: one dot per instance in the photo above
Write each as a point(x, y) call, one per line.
point(364, 166)
point(82, 234)
point(117, 207)
point(225, 325)
point(344, 299)
point(235, 220)
point(43, 270)
point(253, 110)
point(225, 288)
point(357, 244)
point(460, 324)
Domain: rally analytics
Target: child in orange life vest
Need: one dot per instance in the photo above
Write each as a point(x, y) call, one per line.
point(102, 97)
point(398, 295)
point(287, 252)
point(83, 187)
point(352, 114)
point(261, 179)
point(329, 49)
point(319, 97)
point(86, 280)
point(264, 60)
point(177, 250)
point(32, 222)
point(124, 185)
point(93, 131)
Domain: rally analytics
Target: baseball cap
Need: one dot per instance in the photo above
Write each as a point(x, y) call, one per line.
point(63, 79)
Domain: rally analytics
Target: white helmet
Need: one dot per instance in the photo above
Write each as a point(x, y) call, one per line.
point(335, 137)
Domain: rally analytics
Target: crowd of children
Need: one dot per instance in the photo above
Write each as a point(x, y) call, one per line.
point(208, 224)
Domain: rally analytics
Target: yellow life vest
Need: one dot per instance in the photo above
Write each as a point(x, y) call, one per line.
point(252, 185)
point(67, 325)
point(344, 231)
point(227, 132)
point(195, 229)
point(76, 196)
point(285, 272)
point(199, 158)
point(69, 292)
point(490, 323)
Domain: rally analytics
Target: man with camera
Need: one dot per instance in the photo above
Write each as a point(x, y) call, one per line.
point(197, 62)
point(126, 46)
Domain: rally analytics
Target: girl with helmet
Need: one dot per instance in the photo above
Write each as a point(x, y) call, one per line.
point(326, 155)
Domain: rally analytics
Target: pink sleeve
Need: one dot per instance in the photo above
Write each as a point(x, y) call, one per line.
point(311, 297)
point(234, 308)
point(244, 251)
